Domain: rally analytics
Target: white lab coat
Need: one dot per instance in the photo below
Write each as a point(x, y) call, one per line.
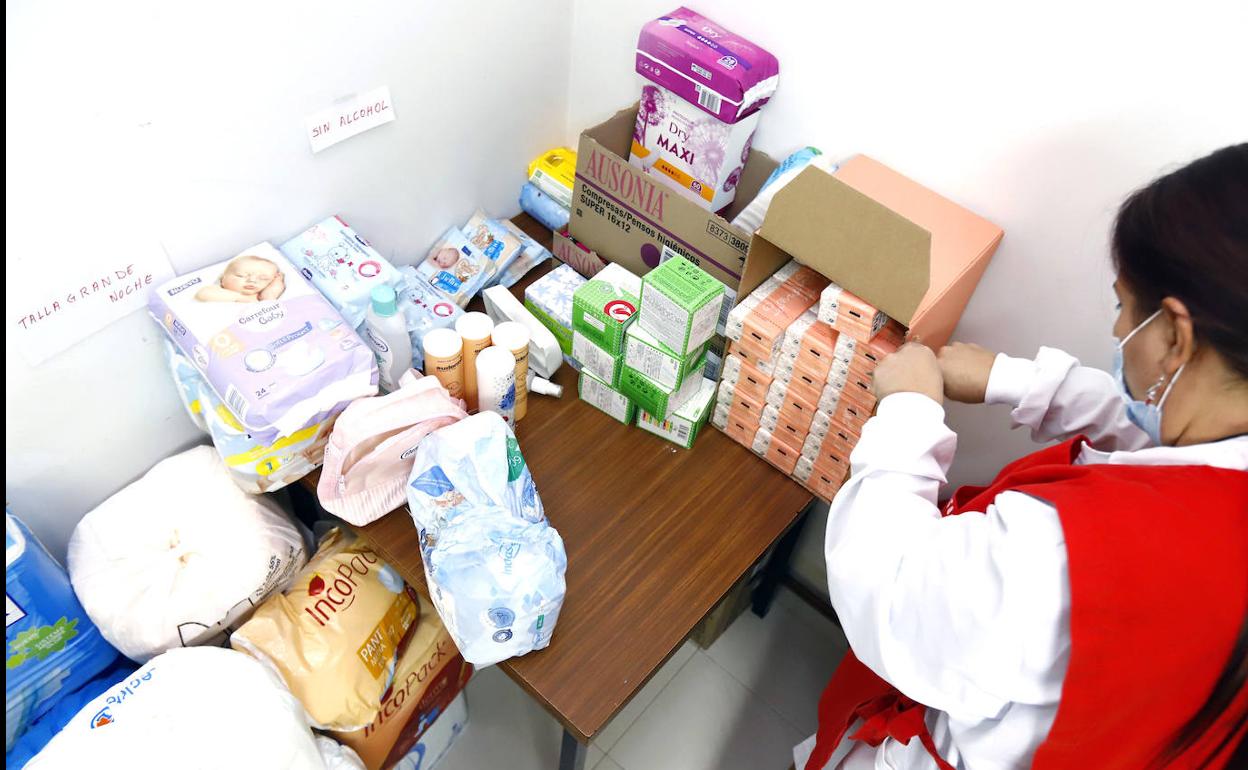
point(970, 614)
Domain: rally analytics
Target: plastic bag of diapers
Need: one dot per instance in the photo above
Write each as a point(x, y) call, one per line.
point(494, 565)
point(51, 646)
point(195, 708)
point(336, 633)
point(180, 556)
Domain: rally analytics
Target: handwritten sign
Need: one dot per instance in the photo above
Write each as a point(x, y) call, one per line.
point(62, 309)
point(350, 117)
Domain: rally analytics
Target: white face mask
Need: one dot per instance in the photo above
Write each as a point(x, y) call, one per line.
point(1144, 414)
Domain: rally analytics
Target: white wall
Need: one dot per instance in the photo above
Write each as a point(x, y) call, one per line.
point(1038, 116)
point(185, 124)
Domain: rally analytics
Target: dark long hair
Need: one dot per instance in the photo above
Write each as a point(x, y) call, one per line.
point(1185, 235)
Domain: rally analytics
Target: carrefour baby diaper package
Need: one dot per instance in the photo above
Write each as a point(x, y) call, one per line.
point(696, 123)
point(273, 349)
point(494, 565)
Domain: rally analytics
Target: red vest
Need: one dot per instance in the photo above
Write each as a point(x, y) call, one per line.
point(1158, 563)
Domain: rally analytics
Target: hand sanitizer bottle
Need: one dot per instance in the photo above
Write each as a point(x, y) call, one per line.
point(385, 331)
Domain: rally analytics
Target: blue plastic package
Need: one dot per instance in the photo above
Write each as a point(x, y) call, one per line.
point(424, 309)
point(456, 266)
point(543, 208)
point(797, 159)
point(51, 646)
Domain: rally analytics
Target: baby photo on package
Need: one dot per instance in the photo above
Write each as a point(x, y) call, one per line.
point(456, 266)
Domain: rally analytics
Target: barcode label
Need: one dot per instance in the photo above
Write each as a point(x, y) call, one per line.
point(703, 71)
point(237, 403)
point(730, 298)
point(682, 432)
point(708, 98)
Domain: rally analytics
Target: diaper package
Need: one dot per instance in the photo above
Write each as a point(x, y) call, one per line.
point(201, 708)
point(255, 466)
point(276, 352)
point(456, 266)
point(336, 633)
point(494, 565)
point(51, 646)
point(341, 265)
point(179, 557)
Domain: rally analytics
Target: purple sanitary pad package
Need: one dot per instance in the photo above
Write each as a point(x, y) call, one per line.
point(693, 57)
point(273, 349)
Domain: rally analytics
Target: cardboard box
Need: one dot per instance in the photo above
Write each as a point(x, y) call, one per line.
point(601, 395)
point(899, 246)
point(680, 305)
point(549, 299)
point(577, 255)
point(653, 397)
point(604, 306)
point(685, 423)
point(644, 352)
point(628, 216)
point(596, 360)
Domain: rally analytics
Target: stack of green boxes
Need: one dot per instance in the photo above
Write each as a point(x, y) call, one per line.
point(664, 351)
point(603, 309)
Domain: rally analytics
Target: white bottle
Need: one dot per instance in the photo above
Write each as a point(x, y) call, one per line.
point(385, 331)
point(496, 382)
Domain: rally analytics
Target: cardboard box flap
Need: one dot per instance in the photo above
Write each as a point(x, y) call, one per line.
point(855, 240)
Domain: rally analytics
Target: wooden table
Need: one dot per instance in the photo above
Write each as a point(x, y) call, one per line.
point(655, 537)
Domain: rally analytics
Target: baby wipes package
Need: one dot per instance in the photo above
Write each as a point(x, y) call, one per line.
point(494, 565)
point(51, 646)
point(456, 266)
point(341, 265)
point(276, 352)
point(255, 466)
point(195, 708)
point(424, 309)
point(335, 634)
point(499, 244)
point(531, 255)
point(180, 557)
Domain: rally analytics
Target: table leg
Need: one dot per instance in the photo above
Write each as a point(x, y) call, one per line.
point(571, 753)
point(778, 566)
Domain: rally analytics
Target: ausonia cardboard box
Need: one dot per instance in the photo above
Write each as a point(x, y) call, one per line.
point(896, 244)
point(628, 216)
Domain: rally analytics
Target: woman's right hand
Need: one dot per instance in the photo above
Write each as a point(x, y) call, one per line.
point(966, 368)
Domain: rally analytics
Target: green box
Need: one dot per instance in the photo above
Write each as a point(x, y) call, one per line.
point(683, 426)
point(660, 402)
point(602, 396)
point(594, 359)
point(644, 353)
point(562, 333)
point(680, 305)
point(605, 306)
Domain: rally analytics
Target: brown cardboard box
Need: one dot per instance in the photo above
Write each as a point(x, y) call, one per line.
point(628, 216)
point(894, 243)
point(582, 259)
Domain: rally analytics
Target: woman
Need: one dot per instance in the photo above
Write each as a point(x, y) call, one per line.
point(1089, 608)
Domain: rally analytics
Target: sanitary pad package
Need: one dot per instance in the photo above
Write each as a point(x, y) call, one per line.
point(341, 265)
point(494, 565)
point(275, 351)
point(456, 266)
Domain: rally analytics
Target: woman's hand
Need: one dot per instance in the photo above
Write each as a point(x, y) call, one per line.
point(965, 368)
point(912, 369)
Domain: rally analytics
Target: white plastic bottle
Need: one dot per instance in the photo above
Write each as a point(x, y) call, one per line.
point(385, 331)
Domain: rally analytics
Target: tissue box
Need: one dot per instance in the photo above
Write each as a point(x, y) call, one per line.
point(683, 426)
point(654, 398)
point(604, 307)
point(602, 396)
point(680, 305)
point(549, 299)
point(644, 352)
point(595, 359)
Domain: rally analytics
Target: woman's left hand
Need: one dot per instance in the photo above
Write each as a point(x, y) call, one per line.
point(912, 369)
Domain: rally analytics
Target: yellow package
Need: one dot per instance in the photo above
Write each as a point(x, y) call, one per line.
point(334, 634)
point(554, 173)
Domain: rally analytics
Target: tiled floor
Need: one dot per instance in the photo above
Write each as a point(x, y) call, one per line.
point(741, 705)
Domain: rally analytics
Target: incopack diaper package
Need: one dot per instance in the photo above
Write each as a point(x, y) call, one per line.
point(602, 395)
point(456, 266)
point(51, 646)
point(659, 401)
point(682, 427)
point(341, 265)
point(680, 305)
point(180, 557)
point(494, 565)
point(276, 352)
point(255, 466)
point(604, 307)
point(335, 634)
point(195, 708)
